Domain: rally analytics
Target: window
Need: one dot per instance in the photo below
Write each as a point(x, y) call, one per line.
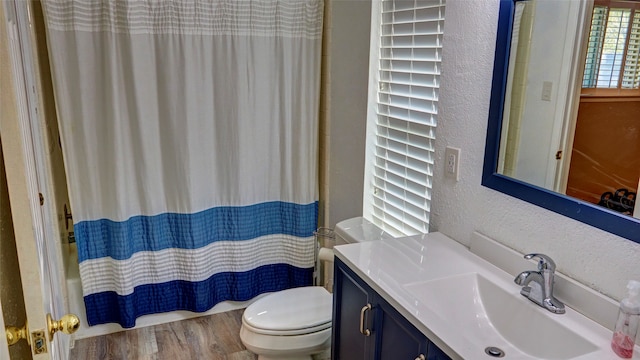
point(613, 47)
point(402, 115)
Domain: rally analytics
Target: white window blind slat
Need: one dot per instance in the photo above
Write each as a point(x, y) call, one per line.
point(410, 17)
point(407, 78)
point(410, 67)
point(418, 7)
point(407, 104)
point(403, 5)
point(421, 126)
point(423, 88)
point(410, 41)
point(419, 99)
point(407, 158)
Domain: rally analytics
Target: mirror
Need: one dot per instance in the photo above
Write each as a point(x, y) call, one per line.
point(541, 176)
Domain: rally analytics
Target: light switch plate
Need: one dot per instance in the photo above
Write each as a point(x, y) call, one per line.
point(546, 90)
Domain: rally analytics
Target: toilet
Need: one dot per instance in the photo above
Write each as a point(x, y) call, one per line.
point(295, 324)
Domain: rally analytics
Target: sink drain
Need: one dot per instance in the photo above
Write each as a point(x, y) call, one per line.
point(494, 352)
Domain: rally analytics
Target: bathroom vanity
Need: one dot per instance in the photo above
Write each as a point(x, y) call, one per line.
point(368, 327)
point(429, 297)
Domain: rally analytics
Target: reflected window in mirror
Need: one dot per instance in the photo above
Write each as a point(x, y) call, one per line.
point(612, 50)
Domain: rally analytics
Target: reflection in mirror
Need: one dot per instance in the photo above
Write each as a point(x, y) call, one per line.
point(539, 91)
point(590, 151)
point(605, 157)
point(564, 122)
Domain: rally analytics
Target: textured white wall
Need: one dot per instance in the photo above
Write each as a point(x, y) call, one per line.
point(598, 259)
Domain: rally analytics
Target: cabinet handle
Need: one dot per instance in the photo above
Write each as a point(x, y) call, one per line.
point(420, 357)
point(363, 331)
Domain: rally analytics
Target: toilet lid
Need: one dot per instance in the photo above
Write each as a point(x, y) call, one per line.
point(291, 310)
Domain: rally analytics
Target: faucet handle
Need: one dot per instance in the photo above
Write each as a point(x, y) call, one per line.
point(544, 262)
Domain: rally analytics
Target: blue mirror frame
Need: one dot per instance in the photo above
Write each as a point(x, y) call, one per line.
point(585, 212)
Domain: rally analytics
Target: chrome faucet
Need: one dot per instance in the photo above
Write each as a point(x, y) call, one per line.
point(537, 286)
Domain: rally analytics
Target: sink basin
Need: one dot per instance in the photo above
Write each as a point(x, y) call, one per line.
point(481, 314)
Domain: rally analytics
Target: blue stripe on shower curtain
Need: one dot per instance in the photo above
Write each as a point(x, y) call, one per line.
point(121, 239)
point(200, 296)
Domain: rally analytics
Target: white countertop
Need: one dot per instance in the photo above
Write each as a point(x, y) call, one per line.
point(388, 266)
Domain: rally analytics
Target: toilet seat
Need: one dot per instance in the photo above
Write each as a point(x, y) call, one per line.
point(294, 311)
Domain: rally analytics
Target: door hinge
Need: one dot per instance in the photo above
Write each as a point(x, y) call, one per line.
point(41, 199)
point(559, 155)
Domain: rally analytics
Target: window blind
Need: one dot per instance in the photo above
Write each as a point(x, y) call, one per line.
point(631, 74)
point(406, 114)
point(594, 47)
point(613, 49)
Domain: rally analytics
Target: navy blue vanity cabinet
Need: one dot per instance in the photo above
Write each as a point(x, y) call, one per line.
point(350, 299)
point(366, 326)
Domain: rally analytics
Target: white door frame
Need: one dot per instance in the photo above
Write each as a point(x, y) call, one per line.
point(18, 15)
point(577, 53)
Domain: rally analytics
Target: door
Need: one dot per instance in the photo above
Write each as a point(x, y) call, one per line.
point(12, 311)
point(17, 202)
point(25, 201)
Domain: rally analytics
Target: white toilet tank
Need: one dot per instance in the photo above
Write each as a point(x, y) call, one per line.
point(358, 229)
point(350, 231)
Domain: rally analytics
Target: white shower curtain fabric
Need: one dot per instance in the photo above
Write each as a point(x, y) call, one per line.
point(189, 130)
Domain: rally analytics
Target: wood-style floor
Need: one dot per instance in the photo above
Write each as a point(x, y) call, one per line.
point(214, 337)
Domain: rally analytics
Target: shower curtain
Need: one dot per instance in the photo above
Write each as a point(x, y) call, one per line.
point(189, 130)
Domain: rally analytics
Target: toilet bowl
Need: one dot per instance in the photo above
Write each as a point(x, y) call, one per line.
point(295, 324)
point(289, 324)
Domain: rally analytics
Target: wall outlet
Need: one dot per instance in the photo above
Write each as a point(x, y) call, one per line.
point(452, 163)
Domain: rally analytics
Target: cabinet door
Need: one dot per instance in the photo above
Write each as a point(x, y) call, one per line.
point(434, 353)
point(350, 296)
point(397, 339)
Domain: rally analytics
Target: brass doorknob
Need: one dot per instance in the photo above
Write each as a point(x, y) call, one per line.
point(68, 324)
point(14, 334)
